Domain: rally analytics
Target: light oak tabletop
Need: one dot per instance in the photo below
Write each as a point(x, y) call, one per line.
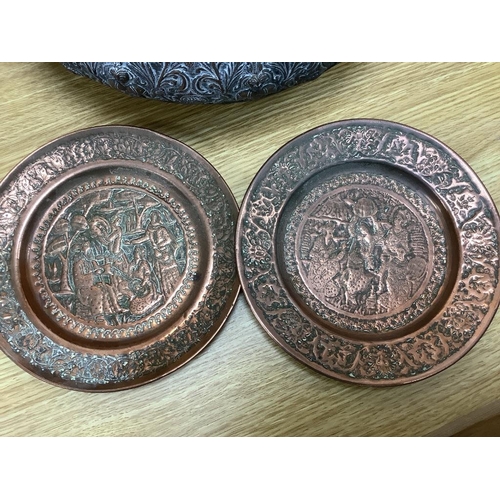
point(243, 384)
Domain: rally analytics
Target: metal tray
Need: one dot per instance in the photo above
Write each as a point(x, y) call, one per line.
point(117, 260)
point(369, 251)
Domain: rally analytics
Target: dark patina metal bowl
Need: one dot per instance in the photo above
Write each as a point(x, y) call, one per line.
point(200, 82)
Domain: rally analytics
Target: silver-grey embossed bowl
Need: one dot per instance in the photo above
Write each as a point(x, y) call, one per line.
point(200, 82)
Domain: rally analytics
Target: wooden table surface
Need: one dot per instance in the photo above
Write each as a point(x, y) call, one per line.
point(244, 384)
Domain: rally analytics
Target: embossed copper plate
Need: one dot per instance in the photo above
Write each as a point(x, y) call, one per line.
point(369, 251)
point(117, 260)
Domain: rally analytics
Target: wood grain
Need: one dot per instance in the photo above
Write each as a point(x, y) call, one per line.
point(243, 384)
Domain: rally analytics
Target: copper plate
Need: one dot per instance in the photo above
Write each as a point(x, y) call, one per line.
point(117, 260)
point(369, 251)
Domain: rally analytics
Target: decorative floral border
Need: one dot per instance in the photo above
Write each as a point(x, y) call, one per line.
point(83, 370)
point(400, 360)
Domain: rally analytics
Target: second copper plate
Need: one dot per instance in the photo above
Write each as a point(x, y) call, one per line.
point(369, 251)
point(117, 260)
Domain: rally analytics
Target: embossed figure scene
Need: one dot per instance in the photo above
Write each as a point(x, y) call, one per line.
point(114, 256)
point(363, 252)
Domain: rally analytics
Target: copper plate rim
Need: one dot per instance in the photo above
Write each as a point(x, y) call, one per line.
point(407, 131)
point(27, 360)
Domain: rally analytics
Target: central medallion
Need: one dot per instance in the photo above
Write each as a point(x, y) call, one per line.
point(112, 256)
point(365, 252)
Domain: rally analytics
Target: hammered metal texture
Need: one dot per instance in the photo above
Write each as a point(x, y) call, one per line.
point(370, 252)
point(117, 260)
point(200, 82)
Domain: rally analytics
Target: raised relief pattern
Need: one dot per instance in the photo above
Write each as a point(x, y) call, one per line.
point(362, 253)
point(365, 252)
point(112, 257)
point(65, 363)
point(398, 358)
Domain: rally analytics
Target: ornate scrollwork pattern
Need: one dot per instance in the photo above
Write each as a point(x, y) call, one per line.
point(407, 356)
point(200, 82)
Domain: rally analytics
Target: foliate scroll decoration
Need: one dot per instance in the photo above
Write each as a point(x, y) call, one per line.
point(403, 357)
point(93, 369)
point(200, 82)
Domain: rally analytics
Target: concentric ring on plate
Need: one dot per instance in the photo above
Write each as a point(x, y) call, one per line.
point(369, 251)
point(119, 256)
